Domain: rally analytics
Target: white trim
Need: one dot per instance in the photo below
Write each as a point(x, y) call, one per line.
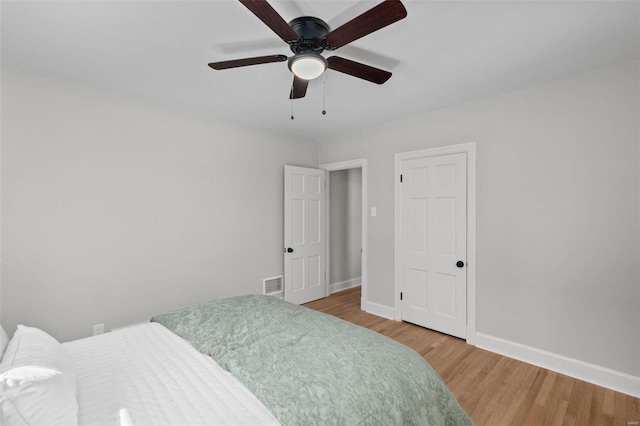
point(343, 285)
point(327, 235)
point(130, 325)
point(360, 163)
point(378, 309)
point(601, 376)
point(470, 150)
point(279, 295)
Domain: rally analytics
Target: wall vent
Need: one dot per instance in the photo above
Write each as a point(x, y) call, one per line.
point(273, 287)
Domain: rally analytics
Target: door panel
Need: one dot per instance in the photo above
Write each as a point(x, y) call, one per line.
point(304, 233)
point(433, 235)
point(419, 283)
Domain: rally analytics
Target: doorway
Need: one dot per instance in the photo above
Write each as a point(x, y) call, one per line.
point(346, 228)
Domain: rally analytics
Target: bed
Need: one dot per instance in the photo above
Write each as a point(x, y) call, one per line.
point(248, 360)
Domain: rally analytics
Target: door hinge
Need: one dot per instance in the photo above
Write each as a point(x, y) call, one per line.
point(400, 178)
point(400, 295)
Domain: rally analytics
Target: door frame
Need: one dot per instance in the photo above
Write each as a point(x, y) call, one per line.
point(360, 163)
point(470, 149)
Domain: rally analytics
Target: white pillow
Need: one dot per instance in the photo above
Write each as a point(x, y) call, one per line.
point(37, 381)
point(4, 339)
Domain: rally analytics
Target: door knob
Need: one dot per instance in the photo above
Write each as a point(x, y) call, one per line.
point(459, 263)
point(289, 250)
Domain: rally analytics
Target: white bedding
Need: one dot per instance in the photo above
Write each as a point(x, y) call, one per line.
point(146, 375)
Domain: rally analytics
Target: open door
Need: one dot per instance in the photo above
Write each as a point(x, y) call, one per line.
point(304, 234)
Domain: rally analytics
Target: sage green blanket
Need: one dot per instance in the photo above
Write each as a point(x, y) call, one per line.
point(310, 368)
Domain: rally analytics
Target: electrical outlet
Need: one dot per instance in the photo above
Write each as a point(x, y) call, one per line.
point(98, 329)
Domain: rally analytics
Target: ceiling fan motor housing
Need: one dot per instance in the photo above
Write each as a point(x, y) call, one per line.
point(311, 32)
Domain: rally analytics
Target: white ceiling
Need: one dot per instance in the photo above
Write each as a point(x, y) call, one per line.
point(442, 54)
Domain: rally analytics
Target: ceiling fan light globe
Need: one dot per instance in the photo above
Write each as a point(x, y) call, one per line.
point(308, 67)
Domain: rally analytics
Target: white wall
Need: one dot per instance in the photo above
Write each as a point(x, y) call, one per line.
point(346, 225)
point(115, 209)
point(557, 214)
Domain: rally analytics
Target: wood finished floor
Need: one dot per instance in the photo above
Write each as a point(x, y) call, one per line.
point(494, 389)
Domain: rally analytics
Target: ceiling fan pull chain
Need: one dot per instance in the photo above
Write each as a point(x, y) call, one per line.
point(291, 97)
point(324, 96)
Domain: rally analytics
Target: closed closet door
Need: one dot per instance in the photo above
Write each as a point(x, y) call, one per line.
point(433, 242)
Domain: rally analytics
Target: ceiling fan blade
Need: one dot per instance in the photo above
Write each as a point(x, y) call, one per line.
point(386, 13)
point(298, 88)
point(357, 69)
point(223, 65)
point(271, 18)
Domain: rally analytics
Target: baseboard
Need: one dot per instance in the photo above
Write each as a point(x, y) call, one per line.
point(130, 325)
point(601, 376)
point(379, 310)
point(279, 295)
point(471, 336)
point(343, 285)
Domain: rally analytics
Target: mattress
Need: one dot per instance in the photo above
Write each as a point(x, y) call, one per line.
point(146, 375)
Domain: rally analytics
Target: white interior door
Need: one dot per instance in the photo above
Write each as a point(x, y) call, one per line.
point(433, 242)
point(304, 234)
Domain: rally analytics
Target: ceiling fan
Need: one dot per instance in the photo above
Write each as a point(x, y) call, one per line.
point(308, 37)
